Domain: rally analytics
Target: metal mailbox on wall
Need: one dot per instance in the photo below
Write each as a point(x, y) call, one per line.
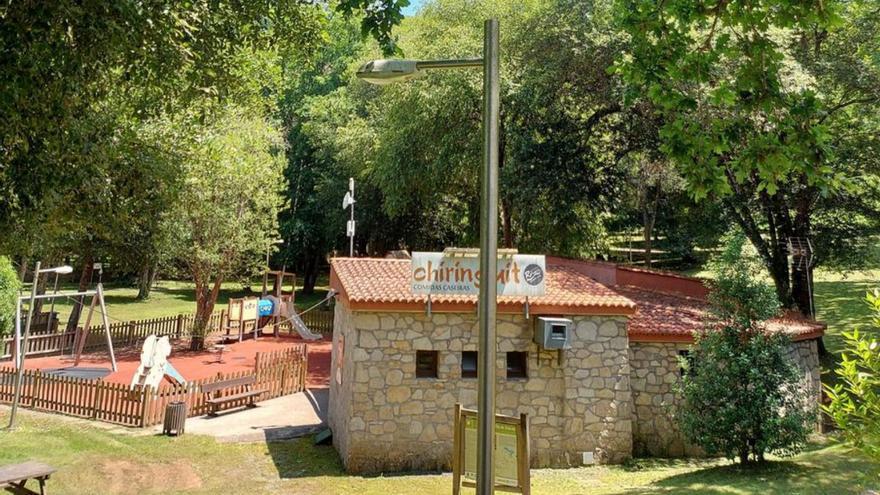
point(553, 333)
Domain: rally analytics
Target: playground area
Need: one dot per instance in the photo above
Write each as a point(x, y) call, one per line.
point(192, 365)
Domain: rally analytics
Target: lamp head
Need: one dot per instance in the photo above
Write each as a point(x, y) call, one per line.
point(61, 270)
point(388, 71)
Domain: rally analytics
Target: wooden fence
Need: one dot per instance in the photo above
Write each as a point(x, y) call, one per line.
point(277, 373)
point(123, 333)
point(318, 321)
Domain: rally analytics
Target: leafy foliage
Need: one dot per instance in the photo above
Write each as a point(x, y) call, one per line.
point(227, 215)
point(742, 395)
point(9, 287)
point(761, 107)
point(855, 400)
point(738, 297)
point(86, 93)
point(415, 147)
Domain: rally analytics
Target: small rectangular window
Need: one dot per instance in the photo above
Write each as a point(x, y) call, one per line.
point(469, 364)
point(426, 364)
point(517, 365)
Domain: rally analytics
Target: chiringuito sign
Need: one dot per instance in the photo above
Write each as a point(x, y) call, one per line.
point(442, 273)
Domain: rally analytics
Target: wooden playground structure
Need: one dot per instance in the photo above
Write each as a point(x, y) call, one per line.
point(251, 316)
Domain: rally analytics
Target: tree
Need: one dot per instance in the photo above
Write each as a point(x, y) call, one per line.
point(741, 393)
point(415, 147)
point(653, 183)
point(9, 287)
point(855, 400)
point(78, 77)
point(762, 106)
point(227, 214)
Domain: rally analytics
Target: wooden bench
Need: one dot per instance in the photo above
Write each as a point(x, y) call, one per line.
point(215, 392)
point(14, 476)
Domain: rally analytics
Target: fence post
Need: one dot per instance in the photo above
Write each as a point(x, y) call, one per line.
point(179, 325)
point(35, 388)
point(305, 367)
point(257, 366)
point(99, 394)
point(146, 396)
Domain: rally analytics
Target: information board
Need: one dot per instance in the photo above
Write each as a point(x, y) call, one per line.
point(511, 452)
point(250, 309)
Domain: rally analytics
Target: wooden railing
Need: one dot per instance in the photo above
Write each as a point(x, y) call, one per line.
point(123, 333)
point(278, 373)
point(133, 332)
point(319, 321)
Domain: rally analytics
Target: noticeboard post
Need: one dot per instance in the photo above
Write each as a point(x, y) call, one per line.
point(511, 452)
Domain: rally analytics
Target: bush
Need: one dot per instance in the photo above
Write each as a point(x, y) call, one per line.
point(741, 392)
point(9, 287)
point(742, 396)
point(855, 400)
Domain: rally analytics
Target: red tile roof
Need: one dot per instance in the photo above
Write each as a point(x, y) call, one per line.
point(662, 314)
point(375, 283)
point(671, 317)
point(659, 310)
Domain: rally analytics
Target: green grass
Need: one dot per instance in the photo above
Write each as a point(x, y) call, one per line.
point(171, 297)
point(92, 459)
point(840, 302)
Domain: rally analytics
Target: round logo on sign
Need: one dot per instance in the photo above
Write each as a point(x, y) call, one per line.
point(533, 274)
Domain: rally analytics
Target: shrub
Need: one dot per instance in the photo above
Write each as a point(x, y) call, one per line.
point(742, 395)
point(9, 287)
point(855, 401)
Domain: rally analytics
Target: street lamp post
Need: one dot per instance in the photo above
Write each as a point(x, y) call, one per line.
point(388, 71)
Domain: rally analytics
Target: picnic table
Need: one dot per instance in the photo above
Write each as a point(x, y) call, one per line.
point(14, 476)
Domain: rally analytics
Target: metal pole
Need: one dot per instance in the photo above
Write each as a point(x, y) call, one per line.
point(351, 238)
point(19, 377)
point(55, 292)
point(17, 332)
point(105, 321)
point(488, 263)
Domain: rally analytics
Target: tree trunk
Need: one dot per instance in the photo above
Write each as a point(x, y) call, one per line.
point(84, 278)
point(23, 268)
point(145, 281)
point(649, 244)
point(310, 275)
point(206, 298)
point(802, 289)
point(41, 282)
point(506, 227)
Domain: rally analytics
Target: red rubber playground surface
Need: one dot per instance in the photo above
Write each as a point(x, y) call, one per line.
point(202, 364)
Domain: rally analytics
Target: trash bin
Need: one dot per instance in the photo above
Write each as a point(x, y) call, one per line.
point(175, 418)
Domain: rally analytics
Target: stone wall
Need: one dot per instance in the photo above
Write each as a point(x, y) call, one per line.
point(806, 354)
point(386, 419)
point(655, 373)
point(341, 377)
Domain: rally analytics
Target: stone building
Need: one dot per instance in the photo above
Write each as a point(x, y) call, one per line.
point(399, 364)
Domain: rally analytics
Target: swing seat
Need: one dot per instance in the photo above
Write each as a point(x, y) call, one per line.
point(82, 373)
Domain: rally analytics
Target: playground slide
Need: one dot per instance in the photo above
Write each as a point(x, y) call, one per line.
point(154, 364)
point(301, 327)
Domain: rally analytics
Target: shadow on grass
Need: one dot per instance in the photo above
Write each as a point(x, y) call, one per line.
point(816, 471)
point(301, 458)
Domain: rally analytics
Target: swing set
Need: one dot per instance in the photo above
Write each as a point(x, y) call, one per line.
point(21, 339)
